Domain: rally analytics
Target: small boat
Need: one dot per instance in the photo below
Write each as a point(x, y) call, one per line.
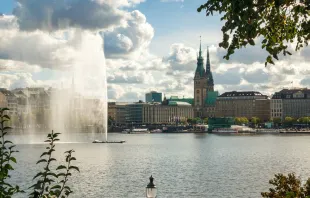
point(136, 131)
point(156, 131)
point(109, 142)
point(225, 130)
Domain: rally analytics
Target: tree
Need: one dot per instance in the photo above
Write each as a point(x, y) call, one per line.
point(288, 120)
point(189, 120)
point(276, 120)
point(205, 120)
point(110, 120)
point(275, 24)
point(287, 187)
point(244, 120)
point(304, 120)
point(255, 120)
point(241, 120)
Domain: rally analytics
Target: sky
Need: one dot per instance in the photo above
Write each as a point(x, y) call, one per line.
point(138, 45)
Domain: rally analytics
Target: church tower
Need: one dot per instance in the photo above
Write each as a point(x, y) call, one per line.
point(210, 82)
point(203, 85)
point(200, 82)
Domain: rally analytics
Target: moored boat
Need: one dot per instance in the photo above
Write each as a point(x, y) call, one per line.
point(136, 131)
point(225, 130)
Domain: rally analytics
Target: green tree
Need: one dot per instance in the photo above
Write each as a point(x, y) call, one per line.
point(288, 120)
point(110, 120)
point(255, 121)
point(238, 120)
point(241, 120)
point(189, 120)
point(304, 120)
point(275, 24)
point(287, 187)
point(205, 120)
point(276, 120)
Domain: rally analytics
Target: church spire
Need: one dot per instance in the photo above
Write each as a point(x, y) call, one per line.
point(208, 67)
point(200, 71)
point(200, 49)
point(208, 70)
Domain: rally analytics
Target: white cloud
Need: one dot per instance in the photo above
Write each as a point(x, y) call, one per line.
point(86, 14)
point(172, 0)
point(181, 58)
point(129, 41)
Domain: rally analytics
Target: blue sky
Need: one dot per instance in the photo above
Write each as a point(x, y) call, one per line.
point(6, 6)
point(179, 22)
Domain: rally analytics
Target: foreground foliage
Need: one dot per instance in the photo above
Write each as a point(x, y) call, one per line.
point(276, 22)
point(49, 183)
point(6, 157)
point(287, 187)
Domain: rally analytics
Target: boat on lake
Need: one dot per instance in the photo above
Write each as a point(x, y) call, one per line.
point(235, 129)
point(136, 131)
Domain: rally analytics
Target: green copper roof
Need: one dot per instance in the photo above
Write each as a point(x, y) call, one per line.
point(178, 103)
point(200, 69)
point(177, 99)
point(211, 97)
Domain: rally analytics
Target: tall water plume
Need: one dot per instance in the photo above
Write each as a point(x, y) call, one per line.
point(82, 99)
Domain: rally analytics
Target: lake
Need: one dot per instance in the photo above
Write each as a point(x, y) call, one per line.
point(183, 165)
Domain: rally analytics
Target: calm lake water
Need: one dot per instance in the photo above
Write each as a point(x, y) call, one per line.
point(183, 165)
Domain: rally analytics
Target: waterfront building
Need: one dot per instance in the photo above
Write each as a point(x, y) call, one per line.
point(172, 112)
point(291, 103)
point(243, 104)
point(153, 96)
point(276, 108)
point(9, 100)
point(117, 111)
point(204, 88)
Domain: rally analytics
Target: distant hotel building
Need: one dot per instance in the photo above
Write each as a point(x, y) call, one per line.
point(290, 102)
point(157, 113)
point(153, 96)
point(118, 111)
point(243, 104)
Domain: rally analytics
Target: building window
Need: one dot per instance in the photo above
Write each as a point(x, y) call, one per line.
point(197, 92)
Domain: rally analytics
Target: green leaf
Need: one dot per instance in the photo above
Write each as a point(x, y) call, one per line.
point(61, 167)
point(61, 175)
point(56, 187)
point(41, 160)
point(37, 175)
point(13, 159)
point(51, 159)
point(44, 153)
point(74, 167)
point(251, 41)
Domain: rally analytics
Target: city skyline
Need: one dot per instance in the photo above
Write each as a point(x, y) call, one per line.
point(145, 50)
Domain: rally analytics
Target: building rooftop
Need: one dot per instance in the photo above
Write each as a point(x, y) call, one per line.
point(241, 93)
point(290, 92)
point(178, 103)
point(6, 92)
